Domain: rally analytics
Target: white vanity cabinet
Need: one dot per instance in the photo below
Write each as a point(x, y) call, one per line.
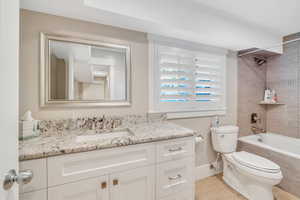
point(39, 169)
point(174, 176)
point(151, 171)
point(36, 195)
point(135, 184)
point(90, 189)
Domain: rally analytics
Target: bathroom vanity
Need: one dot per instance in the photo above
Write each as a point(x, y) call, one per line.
point(155, 162)
point(99, 158)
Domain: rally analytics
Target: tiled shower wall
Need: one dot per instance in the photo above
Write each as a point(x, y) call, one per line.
point(251, 85)
point(283, 75)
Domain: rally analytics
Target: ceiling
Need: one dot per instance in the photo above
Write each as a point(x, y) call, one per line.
point(232, 24)
point(279, 16)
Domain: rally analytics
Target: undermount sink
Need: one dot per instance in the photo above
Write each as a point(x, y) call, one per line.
point(103, 136)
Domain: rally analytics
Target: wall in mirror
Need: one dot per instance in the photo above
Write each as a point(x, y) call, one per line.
point(82, 72)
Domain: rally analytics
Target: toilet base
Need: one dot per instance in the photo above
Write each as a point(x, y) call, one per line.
point(230, 177)
point(235, 187)
point(250, 188)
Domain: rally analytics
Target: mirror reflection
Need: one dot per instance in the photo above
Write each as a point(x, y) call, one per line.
point(86, 72)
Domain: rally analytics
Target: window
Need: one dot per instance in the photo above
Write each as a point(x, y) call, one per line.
point(186, 82)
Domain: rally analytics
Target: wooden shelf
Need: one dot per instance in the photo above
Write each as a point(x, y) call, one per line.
point(269, 103)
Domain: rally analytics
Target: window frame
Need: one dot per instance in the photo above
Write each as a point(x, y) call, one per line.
point(155, 42)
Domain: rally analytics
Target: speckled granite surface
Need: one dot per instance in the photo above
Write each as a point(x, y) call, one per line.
point(66, 142)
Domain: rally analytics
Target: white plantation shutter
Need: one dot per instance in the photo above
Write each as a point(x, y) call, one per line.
point(187, 81)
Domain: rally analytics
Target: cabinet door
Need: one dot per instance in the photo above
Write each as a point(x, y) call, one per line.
point(39, 170)
point(137, 184)
point(91, 189)
point(75, 167)
point(36, 195)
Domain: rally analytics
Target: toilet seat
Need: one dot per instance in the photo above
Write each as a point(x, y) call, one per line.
point(255, 162)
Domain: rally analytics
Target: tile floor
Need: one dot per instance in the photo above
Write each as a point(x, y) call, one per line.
point(213, 188)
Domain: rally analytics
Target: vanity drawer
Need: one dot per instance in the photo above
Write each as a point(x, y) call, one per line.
point(39, 180)
point(89, 189)
point(186, 195)
point(174, 176)
point(37, 195)
point(175, 149)
point(74, 167)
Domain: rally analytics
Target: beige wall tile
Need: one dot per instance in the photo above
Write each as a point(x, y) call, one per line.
point(251, 86)
point(283, 76)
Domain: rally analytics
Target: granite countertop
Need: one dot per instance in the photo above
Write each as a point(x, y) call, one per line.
point(53, 145)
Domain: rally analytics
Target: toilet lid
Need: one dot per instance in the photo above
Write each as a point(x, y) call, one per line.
point(255, 162)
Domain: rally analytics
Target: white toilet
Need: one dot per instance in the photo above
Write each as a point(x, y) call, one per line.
point(251, 175)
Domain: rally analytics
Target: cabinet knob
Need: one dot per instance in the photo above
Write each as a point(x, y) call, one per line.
point(103, 185)
point(175, 149)
point(115, 182)
point(175, 177)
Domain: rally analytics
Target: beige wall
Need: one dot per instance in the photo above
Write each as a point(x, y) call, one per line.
point(251, 86)
point(59, 78)
point(53, 78)
point(33, 23)
point(94, 90)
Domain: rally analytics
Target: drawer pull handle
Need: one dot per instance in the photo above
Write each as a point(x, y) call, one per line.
point(172, 178)
point(103, 185)
point(175, 149)
point(175, 184)
point(115, 182)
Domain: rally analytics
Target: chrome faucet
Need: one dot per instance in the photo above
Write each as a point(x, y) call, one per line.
point(257, 130)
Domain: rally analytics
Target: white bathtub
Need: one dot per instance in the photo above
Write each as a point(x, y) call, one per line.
point(283, 150)
point(276, 143)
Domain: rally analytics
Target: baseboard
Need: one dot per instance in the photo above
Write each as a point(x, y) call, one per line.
point(204, 171)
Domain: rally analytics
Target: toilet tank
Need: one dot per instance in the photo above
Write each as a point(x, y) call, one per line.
point(224, 138)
